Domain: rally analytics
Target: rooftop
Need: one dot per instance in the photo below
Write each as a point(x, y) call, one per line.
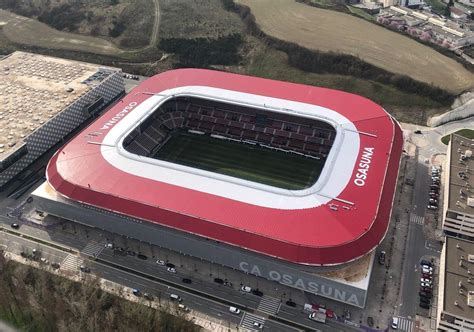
point(461, 189)
point(33, 89)
point(458, 273)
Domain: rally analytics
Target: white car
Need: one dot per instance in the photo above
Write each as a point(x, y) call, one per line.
point(234, 310)
point(246, 289)
point(427, 269)
point(426, 281)
point(432, 207)
point(109, 246)
point(257, 325)
point(395, 323)
point(183, 307)
point(160, 262)
point(171, 270)
point(425, 285)
point(44, 260)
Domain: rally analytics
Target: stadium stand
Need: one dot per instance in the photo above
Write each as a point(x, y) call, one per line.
point(313, 138)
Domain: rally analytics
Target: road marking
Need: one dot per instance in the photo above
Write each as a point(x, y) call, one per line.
point(269, 305)
point(248, 320)
point(420, 220)
point(405, 324)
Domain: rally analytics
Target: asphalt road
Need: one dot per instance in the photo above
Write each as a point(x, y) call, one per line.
point(217, 309)
point(418, 245)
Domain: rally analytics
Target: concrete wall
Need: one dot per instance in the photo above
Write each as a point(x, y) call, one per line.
point(209, 250)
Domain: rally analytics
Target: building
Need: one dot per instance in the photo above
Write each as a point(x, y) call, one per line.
point(426, 27)
point(457, 13)
point(310, 238)
point(459, 194)
point(456, 284)
point(43, 100)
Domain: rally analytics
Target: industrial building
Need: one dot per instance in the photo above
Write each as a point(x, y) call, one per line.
point(43, 99)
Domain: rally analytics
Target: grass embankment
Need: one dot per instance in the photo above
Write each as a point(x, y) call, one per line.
point(36, 300)
point(468, 133)
point(407, 107)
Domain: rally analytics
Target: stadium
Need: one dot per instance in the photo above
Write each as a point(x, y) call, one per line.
point(285, 181)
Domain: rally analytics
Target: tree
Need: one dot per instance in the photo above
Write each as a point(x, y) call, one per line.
point(447, 10)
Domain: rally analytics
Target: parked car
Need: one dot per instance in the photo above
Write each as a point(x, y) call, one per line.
point(219, 281)
point(147, 296)
point(175, 297)
point(433, 201)
point(234, 310)
point(432, 207)
point(55, 265)
point(426, 290)
point(136, 292)
point(382, 257)
point(428, 295)
point(183, 307)
point(227, 283)
point(171, 270)
point(186, 280)
point(426, 285)
point(257, 292)
point(426, 269)
point(424, 305)
point(425, 262)
point(395, 322)
point(257, 325)
point(425, 280)
point(246, 289)
point(425, 299)
point(141, 256)
point(160, 262)
point(44, 260)
point(290, 303)
point(170, 265)
point(427, 276)
point(109, 245)
point(15, 225)
point(84, 269)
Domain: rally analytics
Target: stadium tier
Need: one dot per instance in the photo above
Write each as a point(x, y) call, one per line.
point(278, 176)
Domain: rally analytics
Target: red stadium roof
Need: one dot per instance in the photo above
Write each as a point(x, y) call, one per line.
point(334, 230)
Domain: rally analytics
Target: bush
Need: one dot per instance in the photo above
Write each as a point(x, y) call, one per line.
point(63, 17)
point(203, 52)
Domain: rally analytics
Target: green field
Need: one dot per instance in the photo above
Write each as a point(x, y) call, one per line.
point(253, 163)
point(468, 133)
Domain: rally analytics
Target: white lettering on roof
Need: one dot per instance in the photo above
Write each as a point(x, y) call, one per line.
point(109, 124)
point(364, 165)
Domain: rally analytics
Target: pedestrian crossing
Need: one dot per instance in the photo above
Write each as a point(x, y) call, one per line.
point(420, 220)
point(93, 249)
point(269, 305)
point(405, 324)
point(248, 321)
point(71, 263)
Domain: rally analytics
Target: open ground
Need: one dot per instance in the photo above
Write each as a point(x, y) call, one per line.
point(28, 31)
point(331, 31)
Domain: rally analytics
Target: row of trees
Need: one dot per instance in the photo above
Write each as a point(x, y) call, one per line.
point(327, 62)
point(36, 300)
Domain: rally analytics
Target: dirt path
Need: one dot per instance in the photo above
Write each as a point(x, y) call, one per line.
point(156, 24)
point(328, 30)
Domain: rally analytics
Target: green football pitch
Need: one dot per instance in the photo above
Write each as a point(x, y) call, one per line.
point(253, 163)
